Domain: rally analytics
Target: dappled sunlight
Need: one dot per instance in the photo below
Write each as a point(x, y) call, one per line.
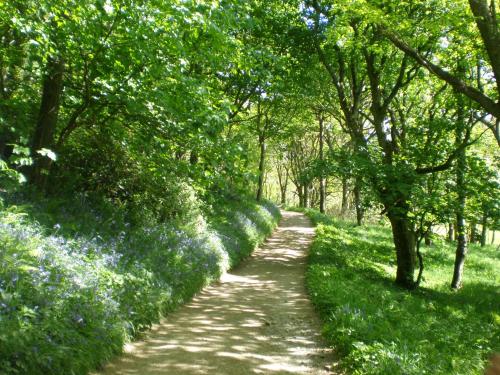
point(255, 320)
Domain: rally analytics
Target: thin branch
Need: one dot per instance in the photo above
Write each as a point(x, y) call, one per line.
point(484, 101)
point(449, 161)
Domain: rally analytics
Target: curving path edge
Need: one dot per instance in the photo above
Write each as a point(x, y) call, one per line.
point(256, 320)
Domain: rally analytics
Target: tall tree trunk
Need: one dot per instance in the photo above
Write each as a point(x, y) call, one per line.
point(461, 252)
point(262, 166)
point(420, 262)
point(357, 202)
point(484, 229)
point(451, 232)
point(404, 241)
point(473, 232)
point(322, 187)
point(461, 167)
point(306, 195)
point(283, 182)
point(345, 196)
point(493, 237)
point(47, 120)
point(300, 192)
point(428, 237)
point(486, 18)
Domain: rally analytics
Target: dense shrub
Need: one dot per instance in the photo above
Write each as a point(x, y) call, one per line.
point(378, 328)
point(243, 228)
point(71, 295)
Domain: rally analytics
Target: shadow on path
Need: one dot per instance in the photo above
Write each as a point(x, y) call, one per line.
point(256, 320)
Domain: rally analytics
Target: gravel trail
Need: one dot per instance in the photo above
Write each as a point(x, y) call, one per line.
point(256, 320)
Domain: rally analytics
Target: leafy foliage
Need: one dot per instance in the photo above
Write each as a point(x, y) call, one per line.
point(72, 293)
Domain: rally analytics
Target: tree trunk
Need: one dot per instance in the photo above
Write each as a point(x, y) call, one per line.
point(322, 187)
point(420, 263)
point(300, 192)
point(484, 229)
point(283, 182)
point(487, 22)
point(460, 254)
point(461, 167)
point(473, 232)
point(262, 166)
point(493, 237)
point(306, 196)
point(428, 237)
point(47, 121)
point(404, 241)
point(345, 196)
point(451, 232)
point(322, 195)
point(283, 195)
point(357, 202)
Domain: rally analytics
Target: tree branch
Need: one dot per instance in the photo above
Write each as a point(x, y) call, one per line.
point(484, 101)
point(449, 162)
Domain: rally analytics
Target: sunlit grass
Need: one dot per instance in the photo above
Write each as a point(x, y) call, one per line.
point(378, 328)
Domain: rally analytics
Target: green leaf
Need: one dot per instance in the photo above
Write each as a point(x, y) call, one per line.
point(48, 153)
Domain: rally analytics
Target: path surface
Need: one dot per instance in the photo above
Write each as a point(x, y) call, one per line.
point(257, 320)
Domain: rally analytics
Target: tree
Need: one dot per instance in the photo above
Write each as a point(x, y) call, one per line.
point(460, 171)
point(352, 48)
point(43, 138)
point(485, 17)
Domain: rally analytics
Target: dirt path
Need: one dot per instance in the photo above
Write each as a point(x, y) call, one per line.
point(257, 320)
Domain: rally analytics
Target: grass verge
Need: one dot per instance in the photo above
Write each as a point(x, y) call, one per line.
point(378, 328)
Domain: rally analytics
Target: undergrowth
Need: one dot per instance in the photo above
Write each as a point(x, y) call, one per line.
point(378, 328)
point(78, 280)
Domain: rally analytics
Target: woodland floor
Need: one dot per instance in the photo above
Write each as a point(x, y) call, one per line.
point(256, 320)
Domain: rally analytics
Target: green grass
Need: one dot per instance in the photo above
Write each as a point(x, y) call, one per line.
point(78, 280)
point(378, 328)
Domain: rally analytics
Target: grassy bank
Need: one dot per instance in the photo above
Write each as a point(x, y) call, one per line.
point(77, 282)
point(378, 328)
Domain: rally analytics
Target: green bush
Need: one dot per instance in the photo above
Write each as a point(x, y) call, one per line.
point(243, 225)
point(71, 295)
point(378, 328)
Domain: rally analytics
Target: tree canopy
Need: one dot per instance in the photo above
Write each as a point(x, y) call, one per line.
point(151, 102)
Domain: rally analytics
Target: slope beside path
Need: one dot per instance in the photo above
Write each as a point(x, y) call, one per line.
point(256, 320)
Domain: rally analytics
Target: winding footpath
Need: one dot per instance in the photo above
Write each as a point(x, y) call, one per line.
point(256, 320)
